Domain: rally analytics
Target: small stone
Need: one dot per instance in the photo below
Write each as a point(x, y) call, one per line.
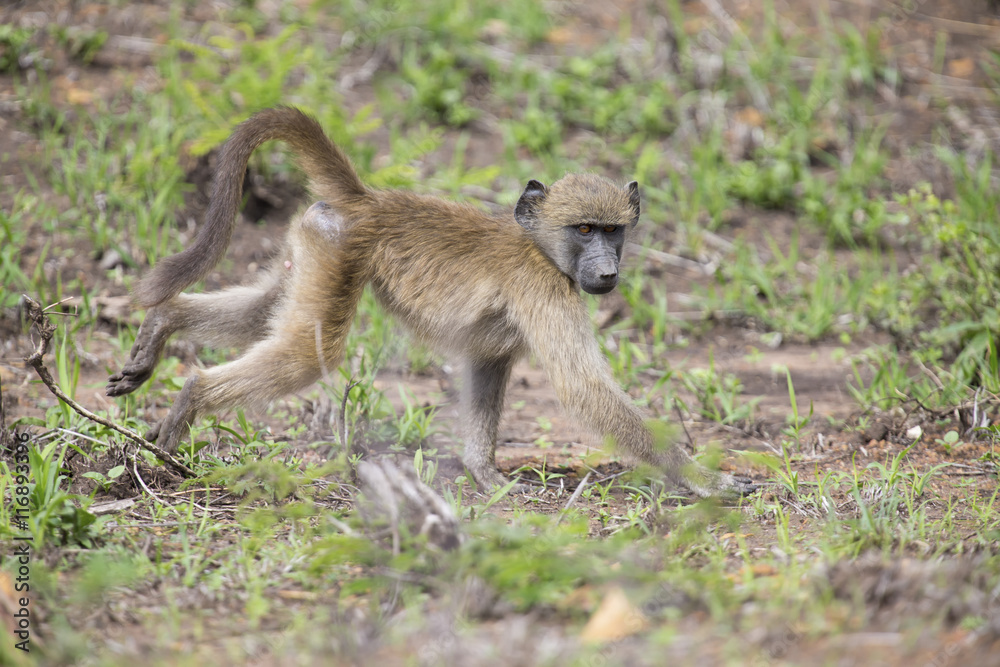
point(111, 259)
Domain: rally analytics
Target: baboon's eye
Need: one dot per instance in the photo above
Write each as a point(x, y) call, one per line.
point(610, 229)
point(584, 229)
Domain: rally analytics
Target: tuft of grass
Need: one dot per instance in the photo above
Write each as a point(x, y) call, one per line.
point(55, 516)
point(15, 44)
point(717, 394)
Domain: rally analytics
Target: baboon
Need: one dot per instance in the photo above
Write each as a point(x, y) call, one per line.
point(490, 289)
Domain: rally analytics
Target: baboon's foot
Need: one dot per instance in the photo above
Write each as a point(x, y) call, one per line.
point(166, 434)
point(169, 432)
point(490, 480)
point(146, 351)
point(129, 378)
point(153, 434)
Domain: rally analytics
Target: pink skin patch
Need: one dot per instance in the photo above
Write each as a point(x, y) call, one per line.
point(288, 265)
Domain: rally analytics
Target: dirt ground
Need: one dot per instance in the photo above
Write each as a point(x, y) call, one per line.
point(840, 436)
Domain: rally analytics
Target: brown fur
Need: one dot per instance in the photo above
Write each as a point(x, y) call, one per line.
point(471, 284)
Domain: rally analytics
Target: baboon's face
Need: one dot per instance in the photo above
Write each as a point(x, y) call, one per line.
point(581, 223)
point(596, 251)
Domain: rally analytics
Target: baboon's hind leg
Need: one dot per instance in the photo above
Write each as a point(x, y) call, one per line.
point(150, 340)
point(270, 369)
point(234, 317)
point(307, 335)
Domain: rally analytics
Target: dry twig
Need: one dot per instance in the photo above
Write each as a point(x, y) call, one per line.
point(46, 330)
point(573, 498)
point(351, 384)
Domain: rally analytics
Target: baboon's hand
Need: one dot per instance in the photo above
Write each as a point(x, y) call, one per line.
point(145, 354)
point(742, 486)
point(128, 379)
point(710, 483)
point(166, 433)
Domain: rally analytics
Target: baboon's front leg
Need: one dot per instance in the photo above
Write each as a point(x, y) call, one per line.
point(582, 379)
point(685, 471)
point(484, 390)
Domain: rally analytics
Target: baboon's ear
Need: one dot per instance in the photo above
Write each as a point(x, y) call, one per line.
point(526, 210)
point(633, 200)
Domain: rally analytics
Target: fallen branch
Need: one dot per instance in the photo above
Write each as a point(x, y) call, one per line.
point(398, 496)
point(46, 330)
point(680, 420)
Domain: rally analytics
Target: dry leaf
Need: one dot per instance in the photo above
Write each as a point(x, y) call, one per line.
point(6, 586)
point(961, 67)
point(495, 29)
point(615, 619)
point(79, 96)
point(308, 596)
point(8, 602)
point(758, 569)
point(695, 24)
point(750, 116)
point(559, 35)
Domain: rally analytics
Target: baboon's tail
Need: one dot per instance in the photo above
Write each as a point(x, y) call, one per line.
point(332, 174)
